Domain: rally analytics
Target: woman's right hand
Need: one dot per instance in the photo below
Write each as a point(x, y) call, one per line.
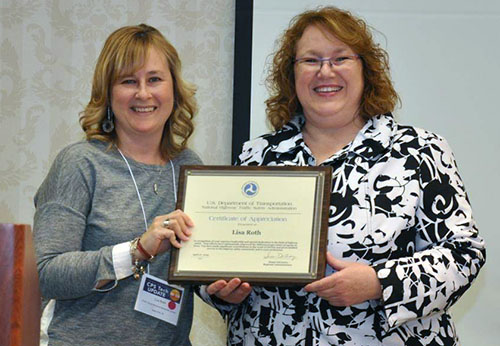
point(160, 236)
point(233, 292)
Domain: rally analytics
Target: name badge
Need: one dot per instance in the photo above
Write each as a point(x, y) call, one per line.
point(159, 299)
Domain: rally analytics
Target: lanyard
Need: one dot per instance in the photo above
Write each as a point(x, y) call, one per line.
point(137, 189)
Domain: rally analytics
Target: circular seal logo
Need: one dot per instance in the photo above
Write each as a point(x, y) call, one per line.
point(250, 189)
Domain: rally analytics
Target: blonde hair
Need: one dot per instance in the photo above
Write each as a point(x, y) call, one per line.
point(378, 96)
point(124, 52)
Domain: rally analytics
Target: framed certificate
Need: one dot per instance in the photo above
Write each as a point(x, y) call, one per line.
point(264, 225)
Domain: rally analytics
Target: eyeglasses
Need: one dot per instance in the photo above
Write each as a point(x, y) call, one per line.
point(315, 64)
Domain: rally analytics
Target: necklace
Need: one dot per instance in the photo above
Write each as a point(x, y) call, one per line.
point(139, 194)
point(155, 185)
point(157, 176)
point(158, 172)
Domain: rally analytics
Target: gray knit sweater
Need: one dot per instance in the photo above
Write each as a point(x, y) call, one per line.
point(85, 206)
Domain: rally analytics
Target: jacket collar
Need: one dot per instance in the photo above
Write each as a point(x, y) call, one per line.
point(375, 138)
point(372, 141)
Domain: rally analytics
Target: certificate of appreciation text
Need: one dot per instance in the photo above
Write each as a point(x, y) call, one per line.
point(261, 224)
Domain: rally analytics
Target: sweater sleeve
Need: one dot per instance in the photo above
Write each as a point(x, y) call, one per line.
point(449, 252)
point(62, 203)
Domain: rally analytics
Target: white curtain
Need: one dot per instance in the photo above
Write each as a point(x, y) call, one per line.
point(48, 50)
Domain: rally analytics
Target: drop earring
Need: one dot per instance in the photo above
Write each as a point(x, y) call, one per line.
point(108, 125)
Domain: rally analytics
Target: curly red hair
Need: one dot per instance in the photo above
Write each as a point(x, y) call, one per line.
point(379, 95)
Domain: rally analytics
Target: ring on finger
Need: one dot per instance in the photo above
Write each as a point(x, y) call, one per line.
point(166, 223)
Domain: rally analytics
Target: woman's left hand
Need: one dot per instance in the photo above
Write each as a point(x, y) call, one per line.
point(166, 230)
point(352, 283)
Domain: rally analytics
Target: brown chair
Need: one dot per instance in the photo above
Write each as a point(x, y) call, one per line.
point(19, 291)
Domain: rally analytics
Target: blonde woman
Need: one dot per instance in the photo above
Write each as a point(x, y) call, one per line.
point(105, 213)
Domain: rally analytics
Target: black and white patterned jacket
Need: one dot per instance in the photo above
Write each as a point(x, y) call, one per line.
point(397, 204)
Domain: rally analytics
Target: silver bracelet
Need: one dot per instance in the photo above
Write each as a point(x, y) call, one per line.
point(139, 266)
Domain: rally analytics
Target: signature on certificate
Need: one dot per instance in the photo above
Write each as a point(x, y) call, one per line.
point(279, 256)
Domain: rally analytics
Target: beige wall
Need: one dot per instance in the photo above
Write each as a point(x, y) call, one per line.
point(48, 49)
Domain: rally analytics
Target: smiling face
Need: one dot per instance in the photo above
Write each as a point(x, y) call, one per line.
point(330, 96)
point(143, 100)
